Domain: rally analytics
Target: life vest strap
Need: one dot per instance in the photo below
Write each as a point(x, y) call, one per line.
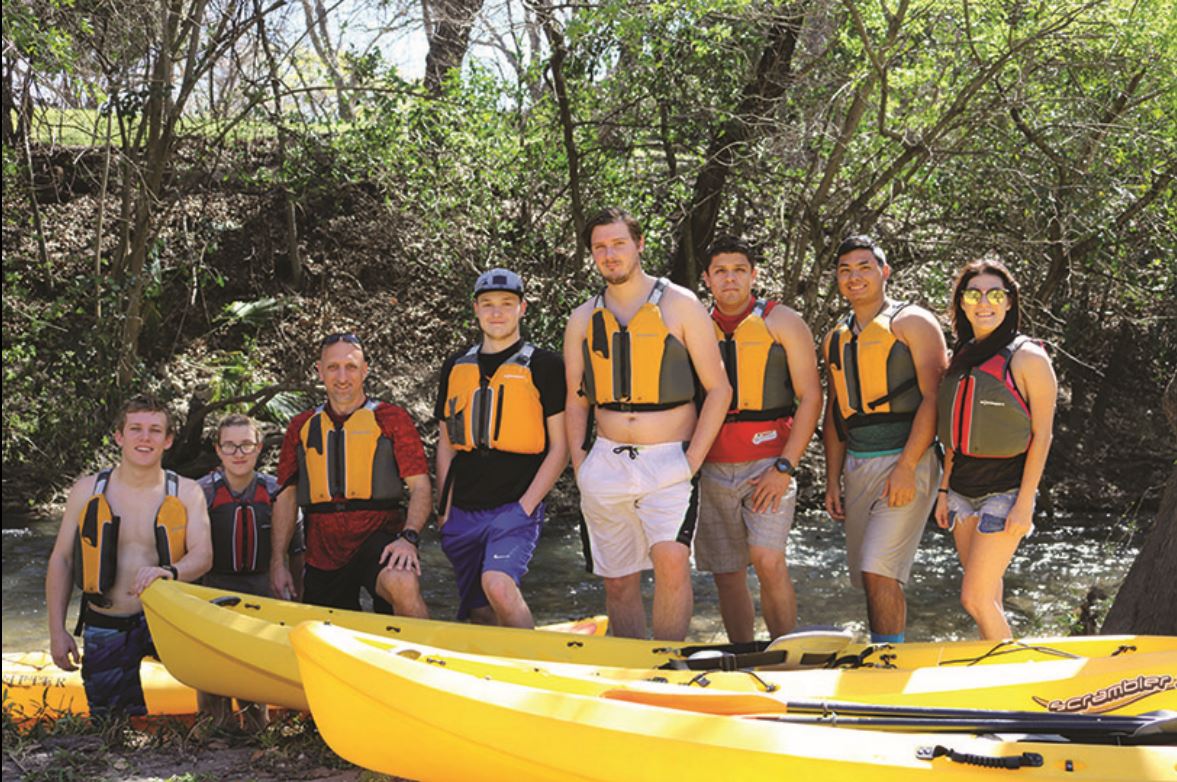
point(348, 505)
point(902, 388)
point(759, 415)
point(626, 407)
point(876, 418)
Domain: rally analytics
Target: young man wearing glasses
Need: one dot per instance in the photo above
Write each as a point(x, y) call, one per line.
point(347, 464)
point(885, 361)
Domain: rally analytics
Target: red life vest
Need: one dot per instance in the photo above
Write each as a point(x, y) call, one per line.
point(241, 528)
point(981, 411)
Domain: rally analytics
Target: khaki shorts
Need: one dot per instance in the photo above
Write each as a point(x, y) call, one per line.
point(632, 497)
point(881, 539)
point(727, 523)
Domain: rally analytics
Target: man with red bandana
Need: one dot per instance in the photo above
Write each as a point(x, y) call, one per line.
point(348, 463)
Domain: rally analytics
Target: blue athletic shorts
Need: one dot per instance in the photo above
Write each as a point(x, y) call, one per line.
point(113, 648)
point(475, 541)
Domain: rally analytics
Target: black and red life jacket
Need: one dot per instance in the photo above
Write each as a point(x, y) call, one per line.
point(240, 527)
point(981, 411)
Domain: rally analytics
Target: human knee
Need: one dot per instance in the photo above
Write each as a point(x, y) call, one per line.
point(622, 587)
point(769, 563)
point(499, 587)
point(400, 584)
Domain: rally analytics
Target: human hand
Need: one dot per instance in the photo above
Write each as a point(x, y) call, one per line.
point(771, 486)
point(942, 510)
point(64, 650)
point(900, 487)
point(401, 555)
point(1020, 519)
point(834, 503)
point(145, 576)
point(281, 581)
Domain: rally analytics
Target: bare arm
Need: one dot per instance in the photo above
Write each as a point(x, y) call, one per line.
point(576, 406)
point(699, 338)
point(281, 530)
point(835, 450)
point(941, 511)
point(917, 329)
point(1034, 373)
point(445, 457)
point(59, 577)
point(792, 332)
point(551, 467)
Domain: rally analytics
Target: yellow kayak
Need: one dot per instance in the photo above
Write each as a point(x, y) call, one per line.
point(1123, 685)
point(237, 645)
point(398, 713)
point(36, 689)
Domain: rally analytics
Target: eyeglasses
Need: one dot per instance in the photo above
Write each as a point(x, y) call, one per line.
point(345, 336)
point(234, 448)
point(996, 296)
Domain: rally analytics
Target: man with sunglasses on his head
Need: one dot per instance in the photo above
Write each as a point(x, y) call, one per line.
point(347, 464)
point(885, 361)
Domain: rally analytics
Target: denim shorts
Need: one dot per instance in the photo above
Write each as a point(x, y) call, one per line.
point(991, 510)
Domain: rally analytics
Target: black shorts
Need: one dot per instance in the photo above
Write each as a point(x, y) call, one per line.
point(341, 588)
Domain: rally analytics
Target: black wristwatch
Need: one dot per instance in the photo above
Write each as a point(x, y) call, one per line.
point(172, 569)
point(784, 465)
point(410, 535)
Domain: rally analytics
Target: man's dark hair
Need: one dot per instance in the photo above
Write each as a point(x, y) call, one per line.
point(861, 242)
point(727, 243)
point(144, 403)
point(607, 217)
point(237, 419)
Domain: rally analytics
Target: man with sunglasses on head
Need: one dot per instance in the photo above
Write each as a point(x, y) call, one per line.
point(500, 449)
point(240, 510)
point(347, 464)
point(885, 361)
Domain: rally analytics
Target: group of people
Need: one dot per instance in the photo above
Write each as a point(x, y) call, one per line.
point(684, 427)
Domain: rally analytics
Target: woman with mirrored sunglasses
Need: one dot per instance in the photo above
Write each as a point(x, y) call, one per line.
point(996, 411)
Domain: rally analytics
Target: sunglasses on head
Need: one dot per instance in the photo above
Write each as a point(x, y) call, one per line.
point(996, 296)
point(346, 336)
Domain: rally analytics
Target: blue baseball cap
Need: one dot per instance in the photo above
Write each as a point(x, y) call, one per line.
point(499, 280)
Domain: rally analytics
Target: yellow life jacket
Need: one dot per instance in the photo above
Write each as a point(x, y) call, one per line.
point(637, 367)
point(874, 379)
point(96, 547)
point(757, 368)
point(350, 466)
point(502, 412)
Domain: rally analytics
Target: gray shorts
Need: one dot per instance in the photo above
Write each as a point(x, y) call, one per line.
point(991, 510)
point(727, 523)
point(881, 539)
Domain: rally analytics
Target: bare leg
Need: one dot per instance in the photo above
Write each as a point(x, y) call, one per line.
point(673, 598)
point(886, 606)
point(778, 600)
point(402, 589)
point(735, 605)
point(981, 590)
point(483, 615)
point(506, 600)
point(623, 603)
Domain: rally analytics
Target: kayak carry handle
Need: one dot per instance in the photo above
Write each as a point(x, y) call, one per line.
point(225, 601)
point(1013, 762)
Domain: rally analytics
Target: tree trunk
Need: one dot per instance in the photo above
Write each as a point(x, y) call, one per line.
point(697, 228)
point(452, 20)
point(1146, 601)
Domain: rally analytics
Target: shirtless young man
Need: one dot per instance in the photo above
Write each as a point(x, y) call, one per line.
point(632, 353)
point(158, 524)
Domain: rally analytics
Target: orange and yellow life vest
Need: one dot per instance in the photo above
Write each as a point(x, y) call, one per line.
point(347, 466)
point(502, 412)
point(874, 379)
point(96, 547)
point(757, 368)
point(637, 367)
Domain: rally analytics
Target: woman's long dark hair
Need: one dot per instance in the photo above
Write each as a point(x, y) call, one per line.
point(966, 352)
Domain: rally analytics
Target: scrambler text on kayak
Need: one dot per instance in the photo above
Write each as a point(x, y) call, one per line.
point(1113, 696)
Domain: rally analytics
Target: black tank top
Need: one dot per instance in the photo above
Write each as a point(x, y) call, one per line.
point(975, 477)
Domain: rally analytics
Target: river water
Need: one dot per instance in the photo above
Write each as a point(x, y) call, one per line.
point(1049, 576)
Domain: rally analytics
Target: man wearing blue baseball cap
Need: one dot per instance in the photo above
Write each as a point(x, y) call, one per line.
point(500, 448)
